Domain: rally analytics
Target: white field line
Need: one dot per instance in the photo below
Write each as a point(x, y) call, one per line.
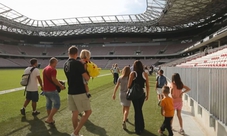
point(22, 88)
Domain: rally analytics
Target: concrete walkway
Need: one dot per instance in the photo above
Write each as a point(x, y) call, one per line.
point(191, 127)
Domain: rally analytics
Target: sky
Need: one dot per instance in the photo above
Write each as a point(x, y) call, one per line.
point(56, 9)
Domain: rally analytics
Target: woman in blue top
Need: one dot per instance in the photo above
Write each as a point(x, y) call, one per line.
point(140, 77)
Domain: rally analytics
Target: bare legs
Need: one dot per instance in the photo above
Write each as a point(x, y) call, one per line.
point(26, 103)
point(125, 113)
point(160, 97)
point(34, 106)
point(51, 114)
point(180, 118)
point(78, 125)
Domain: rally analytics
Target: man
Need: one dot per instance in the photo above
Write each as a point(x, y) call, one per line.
point(115, 71)
point(77, 98)
point(160, 82)
point(32, 87)
point(49, 90)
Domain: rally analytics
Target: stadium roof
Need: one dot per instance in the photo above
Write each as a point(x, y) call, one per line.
point(160, 16)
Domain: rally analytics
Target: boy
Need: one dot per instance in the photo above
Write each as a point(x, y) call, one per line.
point(167, 110)
point(85, 57)
point(160, 82)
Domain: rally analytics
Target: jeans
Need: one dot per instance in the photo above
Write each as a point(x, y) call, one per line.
point(52, 99)
point(167, 125)
point(116, 76)
point(139, 121)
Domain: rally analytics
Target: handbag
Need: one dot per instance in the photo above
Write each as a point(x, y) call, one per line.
point(135, 92)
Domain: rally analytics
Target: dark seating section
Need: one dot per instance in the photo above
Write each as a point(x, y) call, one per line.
point(9, 49)
point(174, 48)
point(95, 50)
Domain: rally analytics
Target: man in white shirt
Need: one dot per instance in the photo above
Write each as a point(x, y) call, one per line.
point(32, 87)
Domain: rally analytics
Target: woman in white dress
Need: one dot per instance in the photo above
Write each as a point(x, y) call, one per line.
point(122, 82)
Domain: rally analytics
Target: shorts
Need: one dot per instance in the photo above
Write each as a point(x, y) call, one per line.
point(178, 105)
point(79, 102)
point(159, 91)
point(32, 95)
point(52, 98)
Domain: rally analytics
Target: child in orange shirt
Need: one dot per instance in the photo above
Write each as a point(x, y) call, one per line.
point(167, 110)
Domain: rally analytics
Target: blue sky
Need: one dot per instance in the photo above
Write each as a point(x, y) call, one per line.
point(56, 9)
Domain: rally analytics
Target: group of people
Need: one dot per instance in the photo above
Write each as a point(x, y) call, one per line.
point(78, 91)
point(169, 96)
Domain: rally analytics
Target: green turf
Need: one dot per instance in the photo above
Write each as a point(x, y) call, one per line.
point(105, 120)
point(11, 78)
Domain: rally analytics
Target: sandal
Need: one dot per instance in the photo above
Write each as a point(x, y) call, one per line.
point(51, 123)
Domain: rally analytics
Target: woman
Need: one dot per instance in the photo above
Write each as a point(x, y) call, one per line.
point(115, 71)
point(177, 90)
point(122, 82)
point(140, 77)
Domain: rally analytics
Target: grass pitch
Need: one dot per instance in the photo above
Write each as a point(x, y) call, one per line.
point(105, 120)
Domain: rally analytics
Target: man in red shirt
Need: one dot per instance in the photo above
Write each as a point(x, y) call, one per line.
point(49, 89)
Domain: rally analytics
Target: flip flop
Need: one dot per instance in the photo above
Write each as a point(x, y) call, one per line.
point(51, 123)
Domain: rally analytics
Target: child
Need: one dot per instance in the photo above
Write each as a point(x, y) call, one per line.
point(167, 110)
point(160, 82)
point(123, 82)
point(176, 91)
point(85, 57)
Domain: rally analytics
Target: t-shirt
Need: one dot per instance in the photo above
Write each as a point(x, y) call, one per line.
point(123, 83)
point(167, 106)
point(161, 81)
point(73, 70)
point(32, 83)
point(49, 72)
point(115, 69)
point(176, 93)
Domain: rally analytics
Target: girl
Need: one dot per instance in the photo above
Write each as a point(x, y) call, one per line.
point(123, 81)
point(177, 90)
point(140, 77)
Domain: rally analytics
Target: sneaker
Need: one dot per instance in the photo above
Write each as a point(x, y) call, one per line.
point(75, 135)
point(181, 131)
point(35, 113)
point(127, 120)
point(124, 125)
point(22, 111)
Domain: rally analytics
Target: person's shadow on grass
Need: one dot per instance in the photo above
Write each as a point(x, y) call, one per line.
point(38, 128)
point(91, 127)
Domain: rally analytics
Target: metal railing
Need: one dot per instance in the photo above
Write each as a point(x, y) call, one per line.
point(208, 88)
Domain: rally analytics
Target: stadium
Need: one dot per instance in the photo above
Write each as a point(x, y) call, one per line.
point(183, 36)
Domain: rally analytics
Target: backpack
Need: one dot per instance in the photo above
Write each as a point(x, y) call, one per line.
point(25, 78)
point(93, 69)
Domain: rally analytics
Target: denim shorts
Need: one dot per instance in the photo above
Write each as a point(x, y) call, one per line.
point(52, 99)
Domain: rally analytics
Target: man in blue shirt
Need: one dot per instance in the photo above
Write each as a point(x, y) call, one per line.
point(160, 82)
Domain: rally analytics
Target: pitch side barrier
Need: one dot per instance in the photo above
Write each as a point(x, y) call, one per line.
point(208, 96)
